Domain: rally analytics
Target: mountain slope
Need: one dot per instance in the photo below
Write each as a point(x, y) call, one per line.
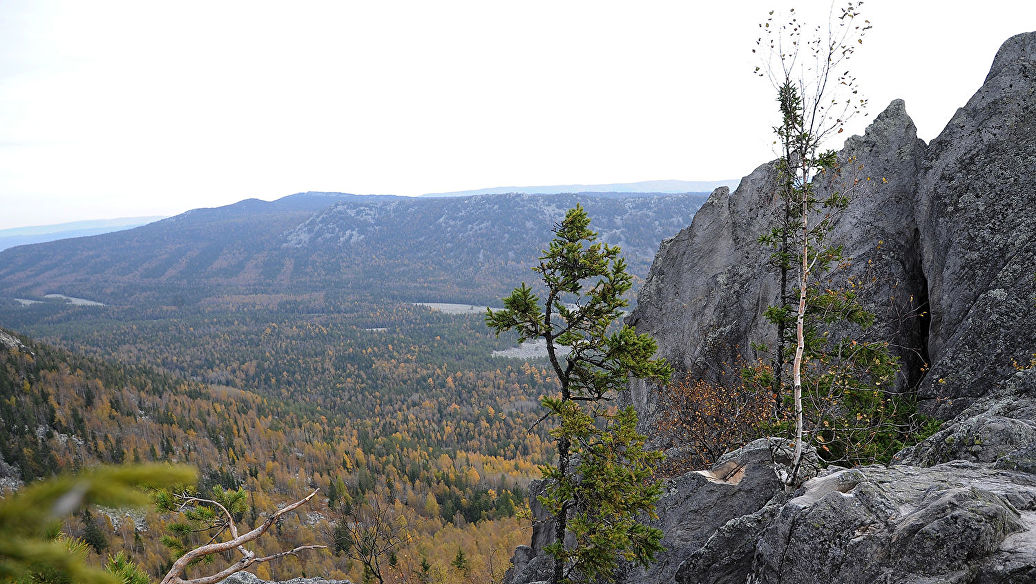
point(177, 260)
point(465, 249)
point(468, 248)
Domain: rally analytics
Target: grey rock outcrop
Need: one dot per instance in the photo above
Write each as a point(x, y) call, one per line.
point(692, 508)
point(10, 342)
point(10, 477)
point(975, 209)
point(957, 522)
point(983, 438)
point(530, 563)
point(959, 506)
point(998, 426)
point(729, 553)
point(249, 578)
point(707, 290)
point(945, 230)
point(698, 503)
point(687, 303)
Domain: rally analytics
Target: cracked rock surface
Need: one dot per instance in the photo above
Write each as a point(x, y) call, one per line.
point(955, 522)
point(249, 578)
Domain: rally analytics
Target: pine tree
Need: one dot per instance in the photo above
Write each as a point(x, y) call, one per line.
point(92, 534)
point(127, 572)
point(460, 561)
point(425, 574)
point(604, 476)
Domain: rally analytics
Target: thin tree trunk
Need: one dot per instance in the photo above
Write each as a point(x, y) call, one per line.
point(800, 337)
point(779, 358)
point(249, 558)
point(561, 521)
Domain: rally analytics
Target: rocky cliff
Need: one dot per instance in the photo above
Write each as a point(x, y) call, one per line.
point(975, 208)
point(709, 286)
point(946, 234)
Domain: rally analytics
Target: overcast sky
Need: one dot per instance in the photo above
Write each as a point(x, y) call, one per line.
point(112, 109)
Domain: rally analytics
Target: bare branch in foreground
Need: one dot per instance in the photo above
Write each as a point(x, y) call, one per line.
point(237, 542)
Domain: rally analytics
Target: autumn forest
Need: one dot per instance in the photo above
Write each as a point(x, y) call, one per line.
point(395, 403)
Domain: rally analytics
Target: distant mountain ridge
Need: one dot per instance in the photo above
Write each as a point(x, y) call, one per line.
point(647, 187)
point(461, 249)
point(42, 233)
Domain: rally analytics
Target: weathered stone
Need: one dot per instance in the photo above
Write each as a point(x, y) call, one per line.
point(975, 213)
point(10, 342)
point(948, 523)
point(707, 290)
point(531, 563)
point(1023, 460)
point(1000, 426)
point(10, 477)
point(983, 438)
point(698, 503)
point(729, 554)
point(703, 298)
point(249, 578)
point(692, 508)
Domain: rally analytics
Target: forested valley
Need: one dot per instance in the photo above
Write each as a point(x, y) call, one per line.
point(278, 348)
point(391, 403)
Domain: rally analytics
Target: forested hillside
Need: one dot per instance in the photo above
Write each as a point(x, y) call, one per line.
point(428, 449)
point(459, 249)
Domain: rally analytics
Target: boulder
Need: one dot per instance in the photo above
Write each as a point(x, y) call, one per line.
point(956, 522)
point(995, 428)
point(983, 438)
point(698, 503)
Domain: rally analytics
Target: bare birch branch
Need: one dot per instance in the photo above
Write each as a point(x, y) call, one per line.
point(237, 542)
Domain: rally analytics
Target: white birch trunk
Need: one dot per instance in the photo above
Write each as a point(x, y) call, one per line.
point(800, 338)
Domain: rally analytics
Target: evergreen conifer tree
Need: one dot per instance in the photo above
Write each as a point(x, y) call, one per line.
point(603, 479)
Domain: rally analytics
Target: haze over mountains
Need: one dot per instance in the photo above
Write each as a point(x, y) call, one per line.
point(42, 233)
point(645, 187)
point(467, 249)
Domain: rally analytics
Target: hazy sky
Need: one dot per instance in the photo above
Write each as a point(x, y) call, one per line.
point(112, 109)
